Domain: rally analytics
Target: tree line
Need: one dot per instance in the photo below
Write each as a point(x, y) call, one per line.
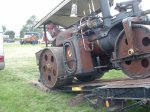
point(8, 32)
point(28, 27)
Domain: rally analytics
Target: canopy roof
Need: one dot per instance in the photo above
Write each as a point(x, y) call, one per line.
point(60, 15)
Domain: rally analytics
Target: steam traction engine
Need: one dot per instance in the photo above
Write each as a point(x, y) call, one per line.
point(93, 45)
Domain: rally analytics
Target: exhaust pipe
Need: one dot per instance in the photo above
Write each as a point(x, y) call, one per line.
point(105, 8)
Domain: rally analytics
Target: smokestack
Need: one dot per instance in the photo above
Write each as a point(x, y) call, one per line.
point(105, 8)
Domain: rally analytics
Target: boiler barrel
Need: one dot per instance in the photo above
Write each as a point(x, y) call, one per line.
point(107, 43)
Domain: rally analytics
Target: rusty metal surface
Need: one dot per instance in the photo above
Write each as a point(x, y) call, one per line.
point(135, 68)
point(79, 61)
point(85, 57)
point(127, 24)
point(62, 36)
point(76, 55)
point(128, 32)
point(116, 83)
point(97, 47)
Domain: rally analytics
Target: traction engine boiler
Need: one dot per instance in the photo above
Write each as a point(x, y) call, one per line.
point(92, 45)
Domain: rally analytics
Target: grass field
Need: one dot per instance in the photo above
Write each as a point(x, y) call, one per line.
point(17, 95)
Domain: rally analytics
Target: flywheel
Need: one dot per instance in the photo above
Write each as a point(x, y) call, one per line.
point(135, 64)
point(51, 67)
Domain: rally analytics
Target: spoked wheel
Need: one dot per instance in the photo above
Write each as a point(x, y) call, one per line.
point(51, 67)
point(135, 67)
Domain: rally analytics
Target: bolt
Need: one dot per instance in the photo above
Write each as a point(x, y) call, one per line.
point(130, 51)
point(48, 66)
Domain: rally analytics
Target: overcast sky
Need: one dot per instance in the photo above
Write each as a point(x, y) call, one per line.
point(14, 13)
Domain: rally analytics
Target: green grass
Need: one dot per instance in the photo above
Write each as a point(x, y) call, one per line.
point(17, 95)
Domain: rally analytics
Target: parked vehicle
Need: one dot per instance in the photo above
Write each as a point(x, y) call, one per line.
point(2, 62)
point(29, 37)
point(7, 39)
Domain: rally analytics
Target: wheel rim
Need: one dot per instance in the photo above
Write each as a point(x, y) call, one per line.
point(135, 68)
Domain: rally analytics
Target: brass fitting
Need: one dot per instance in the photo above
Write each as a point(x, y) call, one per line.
point(130, 51)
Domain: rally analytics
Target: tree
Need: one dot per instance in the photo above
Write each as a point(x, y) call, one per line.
point(11, 34)
point(4, 28)
point(28, 27)
point(23, 30)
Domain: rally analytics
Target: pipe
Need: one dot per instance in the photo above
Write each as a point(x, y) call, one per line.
point(105, 8)
point(45, 35)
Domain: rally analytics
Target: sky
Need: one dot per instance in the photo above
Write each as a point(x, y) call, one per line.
point(15, 13)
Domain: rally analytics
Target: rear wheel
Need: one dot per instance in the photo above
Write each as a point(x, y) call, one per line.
point(134, 67)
